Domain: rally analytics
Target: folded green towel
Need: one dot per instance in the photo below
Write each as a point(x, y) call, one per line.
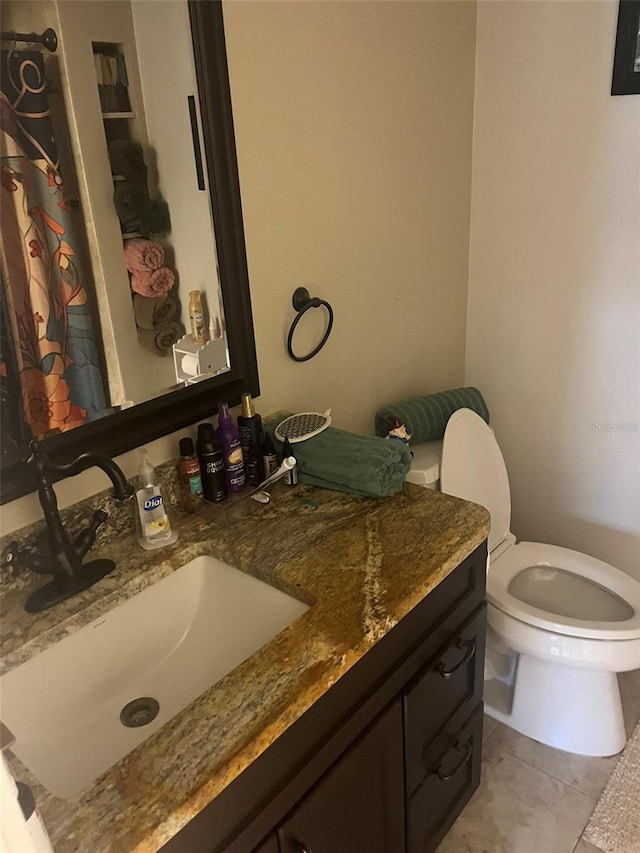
point(358, 464)
point(426, 417)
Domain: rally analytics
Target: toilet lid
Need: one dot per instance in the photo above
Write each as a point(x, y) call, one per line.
point(473, 468)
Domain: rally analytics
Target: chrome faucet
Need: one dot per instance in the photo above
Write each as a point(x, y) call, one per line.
point(64, 557)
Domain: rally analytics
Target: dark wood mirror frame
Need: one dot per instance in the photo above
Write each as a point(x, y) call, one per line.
point(147, 421)
point(625, 80)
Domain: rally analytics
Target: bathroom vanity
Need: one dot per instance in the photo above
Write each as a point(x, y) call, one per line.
point(386, 759)
point(359, 727)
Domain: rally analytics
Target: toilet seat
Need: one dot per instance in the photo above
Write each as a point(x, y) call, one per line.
point(586, 570)
point(473, 468)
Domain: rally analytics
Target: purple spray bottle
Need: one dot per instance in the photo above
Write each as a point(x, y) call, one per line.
point(229, 438)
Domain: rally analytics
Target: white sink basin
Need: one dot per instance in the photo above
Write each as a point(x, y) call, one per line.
point(169, 643)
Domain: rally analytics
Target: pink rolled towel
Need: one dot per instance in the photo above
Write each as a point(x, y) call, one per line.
point(143, 255)
point(153, 283)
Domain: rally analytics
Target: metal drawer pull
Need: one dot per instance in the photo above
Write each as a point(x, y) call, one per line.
point(470, 646)
point(444, 777)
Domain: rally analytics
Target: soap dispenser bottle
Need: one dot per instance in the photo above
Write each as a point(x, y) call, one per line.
point(154, 524)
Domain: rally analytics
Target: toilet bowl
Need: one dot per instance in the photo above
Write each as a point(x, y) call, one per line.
point(561, 624)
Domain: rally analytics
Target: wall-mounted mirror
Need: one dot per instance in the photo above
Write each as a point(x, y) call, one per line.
point(125, 309)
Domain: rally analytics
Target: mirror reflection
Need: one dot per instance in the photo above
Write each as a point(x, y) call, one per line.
point(110, 283)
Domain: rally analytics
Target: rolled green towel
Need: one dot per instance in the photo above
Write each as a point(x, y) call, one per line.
point(426, 417)
point(358, 464)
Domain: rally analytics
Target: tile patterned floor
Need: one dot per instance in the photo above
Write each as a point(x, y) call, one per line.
point(532, 798)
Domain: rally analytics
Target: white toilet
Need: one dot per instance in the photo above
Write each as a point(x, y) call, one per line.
point(561, 624)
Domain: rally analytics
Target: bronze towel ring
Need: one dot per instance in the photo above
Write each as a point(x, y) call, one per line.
point(302, 302)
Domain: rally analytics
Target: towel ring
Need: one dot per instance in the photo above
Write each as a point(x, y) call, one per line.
point(302, 302)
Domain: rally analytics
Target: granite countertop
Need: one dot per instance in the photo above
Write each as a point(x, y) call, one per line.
point(361, 563)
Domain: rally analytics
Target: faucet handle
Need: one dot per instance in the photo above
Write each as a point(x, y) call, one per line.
point(19, 560)
point(98, 518)
point(15, 559)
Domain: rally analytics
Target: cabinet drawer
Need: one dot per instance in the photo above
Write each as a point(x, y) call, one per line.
point(450, 782)
point(443, 695)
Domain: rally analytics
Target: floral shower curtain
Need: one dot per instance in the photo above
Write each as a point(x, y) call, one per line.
point(46, 298)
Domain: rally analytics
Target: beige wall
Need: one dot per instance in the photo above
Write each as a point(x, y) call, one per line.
point(353, 127)
point(554, 283)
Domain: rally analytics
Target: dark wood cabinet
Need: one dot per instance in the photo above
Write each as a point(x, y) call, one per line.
point(383, 762)
point(359, 803)
point(442, 697)
point(269, 845)
point(448, 785)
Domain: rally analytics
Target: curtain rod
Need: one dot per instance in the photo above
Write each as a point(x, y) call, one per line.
point(47, 39)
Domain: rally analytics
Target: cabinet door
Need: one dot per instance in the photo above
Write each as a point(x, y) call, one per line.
point(359, 804)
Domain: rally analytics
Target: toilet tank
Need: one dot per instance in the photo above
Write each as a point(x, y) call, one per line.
point(425, 467)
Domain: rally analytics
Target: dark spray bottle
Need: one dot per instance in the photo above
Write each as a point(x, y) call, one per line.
point(250, 429)
point(214, 484)
point(269, 457)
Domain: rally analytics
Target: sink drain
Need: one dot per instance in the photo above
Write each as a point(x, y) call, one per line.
point(139, 712)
